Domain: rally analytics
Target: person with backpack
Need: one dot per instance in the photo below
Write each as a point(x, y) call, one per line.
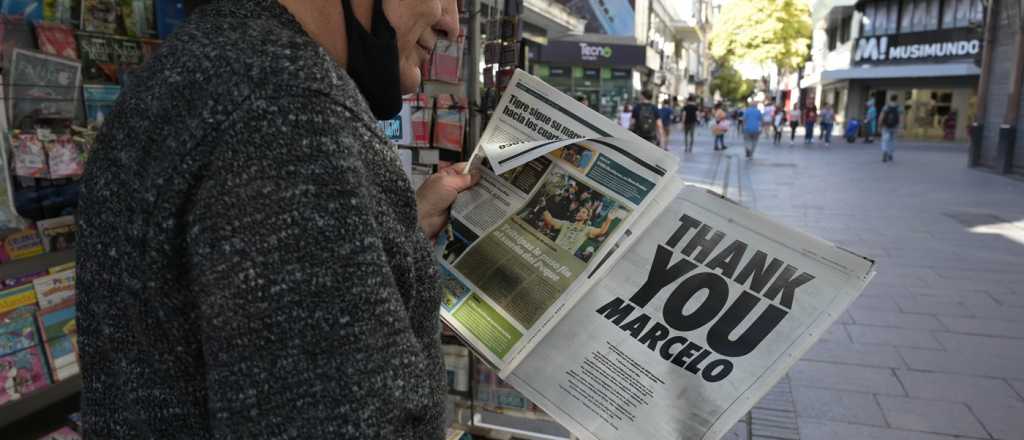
point(752, 124)
point(810, 119)
point(689, 122)
point(828, 120)
point(646, 121)
point(890, 123)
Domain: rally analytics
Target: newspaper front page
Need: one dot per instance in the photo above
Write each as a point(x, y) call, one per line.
point(701, 316)
point(521, 244)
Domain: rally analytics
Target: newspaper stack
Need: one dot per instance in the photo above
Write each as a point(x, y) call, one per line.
point(623, 302)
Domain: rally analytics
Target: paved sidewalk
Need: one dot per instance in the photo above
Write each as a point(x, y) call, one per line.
point(934, 348)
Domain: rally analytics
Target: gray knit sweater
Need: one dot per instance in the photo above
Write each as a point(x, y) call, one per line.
point(250, 264)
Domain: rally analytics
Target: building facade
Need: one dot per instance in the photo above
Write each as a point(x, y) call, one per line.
point(998, 146)
point(923, 52)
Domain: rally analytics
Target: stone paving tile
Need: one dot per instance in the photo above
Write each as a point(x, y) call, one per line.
point(983, 326)
point(930, 416)
point(987, 311)
point(897, 337)
point(836, 333)
point(1004, 419)
point(932, 307)
point(1019, 386)
point(845, 377)
point(1008, 299)
point(955, 387)
point(876, 302)
point(841, 406)
point(894, 319)
point(963, 363)
point(953, 296)
point(995, 346)
point(825, 430)
point(738, 432)
point(854, 354)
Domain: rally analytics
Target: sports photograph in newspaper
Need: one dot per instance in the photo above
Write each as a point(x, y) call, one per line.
point(703, 313)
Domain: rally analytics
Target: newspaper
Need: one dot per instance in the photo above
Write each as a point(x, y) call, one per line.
point(619, 300)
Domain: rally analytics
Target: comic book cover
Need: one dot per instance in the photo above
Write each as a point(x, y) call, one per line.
point(18, 330)
point(43, 86)
point(67, 12)
point(64, 433)
point(21, 373)
point(57, 39)
point(55, 289)
point(21, 280)
point(103, 56)
point(99, 16)
point(21, 244)
point(17, 297)
point(99, 102)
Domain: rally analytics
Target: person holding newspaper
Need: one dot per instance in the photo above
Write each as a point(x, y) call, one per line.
point(252, 261)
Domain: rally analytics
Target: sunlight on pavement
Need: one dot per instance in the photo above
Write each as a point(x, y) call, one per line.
point(1013, 231)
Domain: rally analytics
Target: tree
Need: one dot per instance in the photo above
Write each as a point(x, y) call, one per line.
point(763, 32)
point(731, 85)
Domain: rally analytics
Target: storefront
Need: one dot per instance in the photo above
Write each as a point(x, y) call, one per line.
point(923, 53)
point(608, 75)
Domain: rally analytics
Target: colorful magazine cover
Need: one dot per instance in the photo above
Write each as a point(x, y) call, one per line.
point(32, 10)
point(43, 86)
point(99, 102)
point(169, 15)
point(21, 244)
point(17, 297)
point(18, 330)
point(56, 289)
point(57, 39)
point(103, 56)
point(29, 156)
point(99, 16)
point(449, 122)
point(59, 334)
point(64, 433)
point(21, 280)
point(67, 12)
point(64, 158)
point(136, 18)
point(21, 373)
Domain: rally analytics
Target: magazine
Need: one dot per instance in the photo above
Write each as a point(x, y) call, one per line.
point(21, 373)
point(99, 102)
point(622, 302)
point(99, 16)
point(57, 39)
point(55, 289)
point(18, 330)
point(60, 339)
point(43, 86)
point(104, 56)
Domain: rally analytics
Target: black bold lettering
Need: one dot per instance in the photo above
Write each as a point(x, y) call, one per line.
point(718, 335)
point(756, 268)
point(694, 365)
point(654, 335)
point(685, 224)
point(718, 294)
point(637, 325)
point(786, 284)
point(616, 310)
point(666, 348)
point(701, 240)
point(684, 354)
point(729, 259)
point(717, 370)
point(661, 275)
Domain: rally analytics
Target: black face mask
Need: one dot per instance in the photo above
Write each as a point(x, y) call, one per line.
point(373, 61)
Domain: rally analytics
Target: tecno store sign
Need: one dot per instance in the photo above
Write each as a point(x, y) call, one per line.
point(916, 47)
point(579, 52)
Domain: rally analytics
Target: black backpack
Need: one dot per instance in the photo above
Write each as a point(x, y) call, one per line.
point(890, 117)
point(646, 116)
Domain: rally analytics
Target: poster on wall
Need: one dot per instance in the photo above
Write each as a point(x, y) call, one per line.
point(609, 17)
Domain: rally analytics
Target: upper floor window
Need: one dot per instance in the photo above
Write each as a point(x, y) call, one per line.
point(883, 17)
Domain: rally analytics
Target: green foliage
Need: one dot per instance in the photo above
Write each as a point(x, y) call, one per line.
point(763, 31)
point(731, 85)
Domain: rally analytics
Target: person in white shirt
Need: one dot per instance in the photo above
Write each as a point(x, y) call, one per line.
point(572, 234)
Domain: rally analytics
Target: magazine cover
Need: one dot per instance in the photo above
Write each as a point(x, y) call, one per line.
point(43, 86)
point(21, 244)
point(59, 334)
point(99, 102)
point(66, 12)
point(17, 297)
point(21, 280)
point(169, 15)
point(99, 16)
point(64, 158)
point(57, 39)
point(18, 330)
point(449, 122)
point(29, 156)
point(64, 433)
point(134, 19)
point(55, 289)
point(103, 56)
point(21, 373)
point(32, 10)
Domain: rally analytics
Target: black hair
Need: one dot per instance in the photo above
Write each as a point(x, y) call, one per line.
point(647, 94)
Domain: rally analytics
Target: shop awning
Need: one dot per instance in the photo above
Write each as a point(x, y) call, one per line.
point(906, 71)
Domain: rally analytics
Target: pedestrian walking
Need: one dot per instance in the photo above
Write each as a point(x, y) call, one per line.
point(890, 123)
point(665, 113)
point(778, 124)
point(689, 123)
point(721, 127)
point(828, 120)
point(794, 122)
point(871, 121)
point(626, 116)
point(646, 122)
point(810, 119)
point(752, 124)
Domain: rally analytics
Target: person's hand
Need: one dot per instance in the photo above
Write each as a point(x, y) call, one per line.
point(436, 195)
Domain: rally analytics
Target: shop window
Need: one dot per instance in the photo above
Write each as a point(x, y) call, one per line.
point(881, 19)
point(949, 14)
point(894, 17)
point(868, 20)
point(963, 13)
point(907, 19)
point(933, 14)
